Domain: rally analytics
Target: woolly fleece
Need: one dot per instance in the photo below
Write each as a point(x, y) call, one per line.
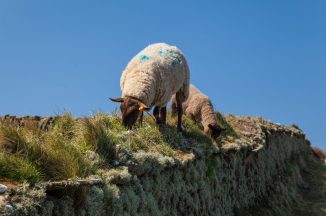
point(198, 106)
point(155, 74)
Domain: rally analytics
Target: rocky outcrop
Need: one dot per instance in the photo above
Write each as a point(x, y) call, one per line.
point(244, 172)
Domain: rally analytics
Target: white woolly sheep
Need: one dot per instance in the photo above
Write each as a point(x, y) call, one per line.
point(200, 108)
point(150, 79)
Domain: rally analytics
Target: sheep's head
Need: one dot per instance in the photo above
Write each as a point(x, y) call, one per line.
point(213, 130)
point(131, 109)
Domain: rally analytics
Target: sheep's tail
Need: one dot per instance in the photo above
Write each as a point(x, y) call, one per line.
point(183, 93)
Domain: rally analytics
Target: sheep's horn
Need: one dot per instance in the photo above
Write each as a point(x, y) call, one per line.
point(143, 107)
point(118, 100)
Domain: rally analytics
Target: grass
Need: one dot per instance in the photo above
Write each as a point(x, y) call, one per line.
point(18, 169)
point(229, 132)
point(31, 155)
point(49, 155)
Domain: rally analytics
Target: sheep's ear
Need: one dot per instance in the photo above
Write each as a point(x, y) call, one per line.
point(118, 100)
point(143, 107)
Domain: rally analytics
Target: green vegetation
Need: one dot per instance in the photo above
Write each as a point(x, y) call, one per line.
point(19, 169)
point(225, 124)
point(211, 164)
point(80, 147)
point(49, 155)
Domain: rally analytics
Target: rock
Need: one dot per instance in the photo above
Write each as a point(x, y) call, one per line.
point(3, 188)
point(3, 199)
point(9, 207)
point(116, 163)
point(93, 157)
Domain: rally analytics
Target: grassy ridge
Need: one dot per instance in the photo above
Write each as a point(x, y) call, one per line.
point(81, 147)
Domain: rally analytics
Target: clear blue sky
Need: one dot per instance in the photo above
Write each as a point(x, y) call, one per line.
point(258, 58)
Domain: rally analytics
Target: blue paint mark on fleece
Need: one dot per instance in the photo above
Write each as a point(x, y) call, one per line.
point(173, 56)
point(144, 58)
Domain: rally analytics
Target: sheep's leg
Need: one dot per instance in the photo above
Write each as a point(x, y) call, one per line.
point(163, 115)
point(174, 109)
point(179, 109)
point(141, 118)
point(156, 113)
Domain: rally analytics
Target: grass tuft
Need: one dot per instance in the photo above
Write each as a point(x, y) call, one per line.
point(18, 169)
point(97, 137)
point(11, 140)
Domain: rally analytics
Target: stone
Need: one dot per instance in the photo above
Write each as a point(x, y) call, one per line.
point(3, 188)
point(9, 207)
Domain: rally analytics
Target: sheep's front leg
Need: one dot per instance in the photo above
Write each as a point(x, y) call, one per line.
point(163, 115)
point(180, 111)
point(141, 119)
point(156, 113)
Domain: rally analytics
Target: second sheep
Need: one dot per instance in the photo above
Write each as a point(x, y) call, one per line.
point(200, 108)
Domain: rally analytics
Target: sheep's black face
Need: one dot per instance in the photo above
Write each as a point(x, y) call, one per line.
point(130, 109)
point(130, 112)
point(214, 131)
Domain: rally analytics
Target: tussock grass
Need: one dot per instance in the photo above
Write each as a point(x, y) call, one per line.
point(18, 169)
point(46, 155)
point(32, 155)
point(11, 140)
point(95, 135)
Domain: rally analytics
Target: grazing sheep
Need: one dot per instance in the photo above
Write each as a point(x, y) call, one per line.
point(150, 79)
point(199, 107)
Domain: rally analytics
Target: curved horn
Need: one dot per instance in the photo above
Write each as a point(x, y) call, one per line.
point(118, 100)
point(143, 107)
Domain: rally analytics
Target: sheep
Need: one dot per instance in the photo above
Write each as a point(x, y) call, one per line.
point(199, 107)
point(150, 79)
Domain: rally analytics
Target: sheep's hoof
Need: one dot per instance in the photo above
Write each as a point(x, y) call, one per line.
point(180, 129)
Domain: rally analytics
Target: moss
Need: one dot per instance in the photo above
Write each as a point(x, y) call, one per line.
point(211, 165)
point(94, 202)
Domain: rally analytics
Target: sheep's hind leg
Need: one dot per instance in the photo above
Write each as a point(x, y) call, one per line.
point(179, 109)
point(156, 113)
point(174, 109)
point(163, 115)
